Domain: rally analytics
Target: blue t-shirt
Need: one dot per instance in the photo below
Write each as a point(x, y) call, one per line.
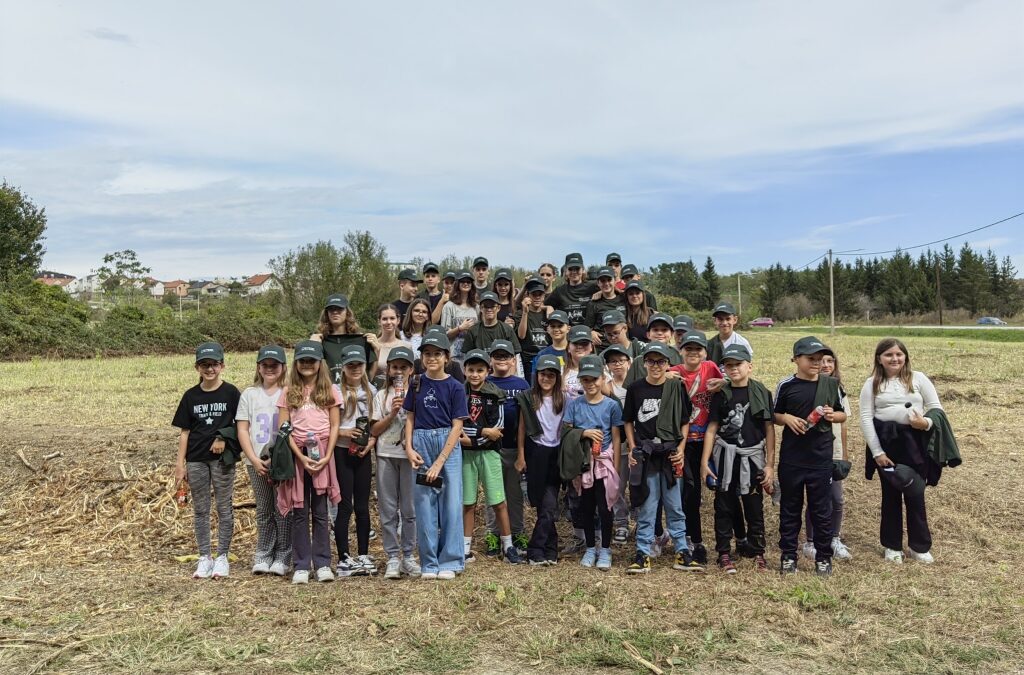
point(604, 415)
point(511, 385)
point(437, 403)
point(560, 353)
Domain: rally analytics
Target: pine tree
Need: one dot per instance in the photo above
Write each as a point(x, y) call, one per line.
point(710, 285)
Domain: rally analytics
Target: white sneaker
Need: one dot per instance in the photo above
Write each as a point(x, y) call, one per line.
point(808, 551)
point(446, 575)
point(428, 576)
point(261, 568)
point(894, 556)
point(221, 567)
point(300, 577)
point(410, 567)
point(925, 557)
point(204, 568)
point(367, 564)
point(839, 549)
point(393, 569)
point(324, 574)
point(348, 567)
point(278, 569)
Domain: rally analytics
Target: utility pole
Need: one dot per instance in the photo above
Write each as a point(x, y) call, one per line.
point(739, 293)
point(831, 297)
point(938, 289)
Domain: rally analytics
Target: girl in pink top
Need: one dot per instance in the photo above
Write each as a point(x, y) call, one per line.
point(312, 405)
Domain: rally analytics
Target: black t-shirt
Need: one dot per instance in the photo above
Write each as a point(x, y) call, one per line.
point(504, 310)
point(202, 414)
point(812, 450)
point(597, 308)
point(402, 308)
point(536, 336)
point(737, 424)
point(432, 299)
point(481, 337)
point(643, 403)
point(573, 300)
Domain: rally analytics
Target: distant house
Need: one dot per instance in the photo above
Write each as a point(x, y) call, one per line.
point(260, 283)
point(176, 287)
point(85, 286)
point(156, 287)
point(210, 288)
point(64, 281)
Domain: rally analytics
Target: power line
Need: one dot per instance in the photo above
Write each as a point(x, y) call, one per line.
point(937, 241)
point(812, 262)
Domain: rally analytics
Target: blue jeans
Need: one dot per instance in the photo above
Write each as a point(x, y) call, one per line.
point(439, 511)
point(671, 499)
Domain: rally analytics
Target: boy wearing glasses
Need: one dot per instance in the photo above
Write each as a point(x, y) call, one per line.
point(657, 418)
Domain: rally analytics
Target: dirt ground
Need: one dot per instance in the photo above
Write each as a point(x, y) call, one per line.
point(89, 541)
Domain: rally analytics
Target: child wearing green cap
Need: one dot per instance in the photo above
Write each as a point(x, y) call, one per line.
point(257, 431)
point(202, 411)
point(726, 320)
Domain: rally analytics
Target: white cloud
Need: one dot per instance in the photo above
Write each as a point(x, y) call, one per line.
point(991, 243)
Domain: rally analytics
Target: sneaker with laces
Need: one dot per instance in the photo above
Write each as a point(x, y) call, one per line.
point(261, 567)
point(700, 554)
point(521, 542)
point(686, 563)
point(620, 535)
point(808, 551)
point(641, 564)
point(348, 567)
point(324, 574)
point(492, 544)
point(604, 559)
point(221, 567)
point(574, 545)
point(893, 556)
point(537, 562)
point(512, 556)
point(839, 549)
point(470, 556)
point(726, 564)
point(823, 568)
point(300, 577)
point(393, 570)
point(589, 558)
point(428, 576)
point(204, 568)
point(410, 567)
point(788, 566)
point(925, 558)
point(369, 567)
point(761, 563)
point(278, 568)
point(446, 575)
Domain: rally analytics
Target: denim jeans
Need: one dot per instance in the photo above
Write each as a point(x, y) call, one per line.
point(439, 511)
point(672, 501)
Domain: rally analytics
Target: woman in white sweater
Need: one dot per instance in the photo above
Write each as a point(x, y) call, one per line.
point(893, 402)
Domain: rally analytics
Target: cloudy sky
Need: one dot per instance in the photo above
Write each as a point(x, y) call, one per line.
point(209, 137)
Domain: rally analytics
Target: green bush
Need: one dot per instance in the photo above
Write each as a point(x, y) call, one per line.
point(36, 319)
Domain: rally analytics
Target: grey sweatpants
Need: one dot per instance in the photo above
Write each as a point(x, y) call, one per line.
point(395, 484)
point(513, 493)
point(201, 477)
point(273, 531)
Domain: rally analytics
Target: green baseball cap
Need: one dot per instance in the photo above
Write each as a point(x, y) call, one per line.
point(436, 338)
point(557, 316)
point(476, 355)
point(573, 260)
point(272, 352)
point(401, 353)
point(659, 348)
point(464, 275)
point(613, 350)
point(450, 274)
point(503, 274)
point(695, 337)
point(612, 257)
point(535, 285)
point(336, 300)
point(431, 267)
point(612, 318)
point(209, 351)
point(809, 345)
point(660, 316)
point(737, 353)
point(605, 272)
point(591, 366)
point(409, 275)
point(683, 322)
point(480, 261)
point(548, 362)
point(629, 270)
point(353, 354)
point(487, 296)
point(580, 333)
point(502, 346)
point(309, 349)
point(634, 285)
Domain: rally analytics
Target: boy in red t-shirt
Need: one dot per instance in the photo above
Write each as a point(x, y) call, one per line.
point(702, 379)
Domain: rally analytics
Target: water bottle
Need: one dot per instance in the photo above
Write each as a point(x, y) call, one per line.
point(815, 416)
point(181, 496)
point(312, 446)
point(399, 386)
point(711, 481)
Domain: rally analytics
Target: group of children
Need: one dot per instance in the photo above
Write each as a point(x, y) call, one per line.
point(626, 425)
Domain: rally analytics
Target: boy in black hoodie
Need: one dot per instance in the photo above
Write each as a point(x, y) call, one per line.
point(481, 461)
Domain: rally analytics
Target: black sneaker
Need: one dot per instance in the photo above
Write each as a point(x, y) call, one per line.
point(744, 549)
point(538, 562)
point(700, 554)
point(686, 562)
point(641, 564)
point(823, 568)
point(471, 557)
point(512, 556)
point(788, 566)
point(493, 544)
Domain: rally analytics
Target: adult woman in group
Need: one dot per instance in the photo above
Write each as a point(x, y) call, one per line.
point(547, 273)
point(637, 311)
point(460, 313)
point(337, 329)
point(893, 405)
point(387, 336)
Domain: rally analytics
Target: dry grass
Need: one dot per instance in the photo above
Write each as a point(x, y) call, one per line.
point(92, 583)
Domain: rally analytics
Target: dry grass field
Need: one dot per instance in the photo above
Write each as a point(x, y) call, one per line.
point(88, 542)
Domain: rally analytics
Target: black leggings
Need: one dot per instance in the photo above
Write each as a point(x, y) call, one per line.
point(591, 497)
point(354, 477)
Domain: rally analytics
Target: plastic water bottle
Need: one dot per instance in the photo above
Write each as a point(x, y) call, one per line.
point(711, 481)
point(400, 386)
point(815, 416)
point(312, 446)
point(181, 496)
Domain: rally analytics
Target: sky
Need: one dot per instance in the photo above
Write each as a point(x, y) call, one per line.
point(211, 137)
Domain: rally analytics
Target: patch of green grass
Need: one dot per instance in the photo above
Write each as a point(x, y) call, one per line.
point(440, 654)
point(314, 662)
point(809, 598)
point(958, 334)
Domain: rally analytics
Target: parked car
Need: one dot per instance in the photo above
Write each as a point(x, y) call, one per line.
point(991, 321)
point(763, 322)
